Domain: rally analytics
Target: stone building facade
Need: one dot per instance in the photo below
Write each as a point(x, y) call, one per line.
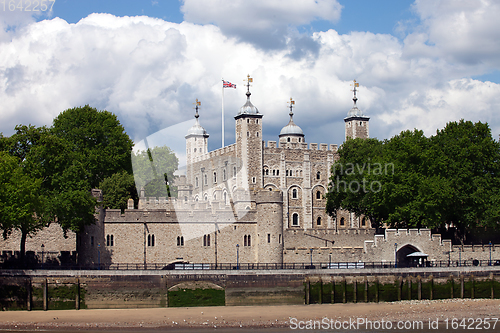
point(249, 202)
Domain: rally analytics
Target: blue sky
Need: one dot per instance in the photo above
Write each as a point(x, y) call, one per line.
point(420, 64)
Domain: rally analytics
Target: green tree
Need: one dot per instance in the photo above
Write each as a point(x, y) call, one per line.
point(103, 146)
point(154, 171)
point(21, 201)
point(452, 178)
point(117, 189)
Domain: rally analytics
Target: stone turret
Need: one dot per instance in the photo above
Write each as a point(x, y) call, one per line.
point(356, 123)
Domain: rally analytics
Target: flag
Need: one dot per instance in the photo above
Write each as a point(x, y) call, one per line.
point(227, 84)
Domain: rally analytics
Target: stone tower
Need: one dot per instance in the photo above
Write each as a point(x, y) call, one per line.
point(356, 123)
point(249, 144)
point(291, 132)
point(196, 146)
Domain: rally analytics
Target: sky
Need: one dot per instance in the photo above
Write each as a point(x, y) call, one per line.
point(419, 64)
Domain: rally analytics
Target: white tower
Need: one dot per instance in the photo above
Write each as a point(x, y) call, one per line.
point(196, 145)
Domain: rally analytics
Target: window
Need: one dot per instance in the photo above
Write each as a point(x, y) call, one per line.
point(290, 173)
point(269, 238)
point(195, 150)
point(247, 241)
point(253, 180)
point(215, 177)
point(274, 172)
point(295, 219)
point(277, 172)
point(363, 222)
point(110, 240)
point(206, 182)
point(318, 221)
point(294, 193)
point(196, 181)
point(318, 175)
point(288, 139)
point(257, 134)
point(248, 134)
point(287, 173)
point(185, 198)
point(234, 171)
point(215, 196)
point(256, 121)
point(225, 198)
point(248, 121)
point(318, 195)
point(267, 172)
point(206, 240)
point(342, 221)
point(151, 240)
point(299, 139)
point(180, 240)
point(223, 174)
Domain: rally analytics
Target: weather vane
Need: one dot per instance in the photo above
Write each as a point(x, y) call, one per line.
point(249, 79)
point(292, 103)
point(197, 103)
point(355, 85)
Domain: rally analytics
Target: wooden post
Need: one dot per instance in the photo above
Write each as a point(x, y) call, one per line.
point(45, 295)
point(461, 286)
point(492, 279)
point(419, 288)
point(431, 286)
point(344, 285)
point(29, 299)
point(409, 287)
point(77, 298)
point(320, 291)
point(333, 290)
point(366, 289)
point(308, 288)
point(355, 290)
point(400, 286)
point(451, 288)
point(472, 286)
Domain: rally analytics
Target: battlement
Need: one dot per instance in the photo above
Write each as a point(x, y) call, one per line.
point(303, 146)
point(227, 150)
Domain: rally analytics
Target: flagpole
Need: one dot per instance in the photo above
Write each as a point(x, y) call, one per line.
point(223, 113)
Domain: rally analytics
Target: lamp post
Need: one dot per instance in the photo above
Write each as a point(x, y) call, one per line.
point(311, 258)
point(489, 264)
point(99, 256)
point(237, 256)
point(395, 255)
point(460, 256)
point(43, 246)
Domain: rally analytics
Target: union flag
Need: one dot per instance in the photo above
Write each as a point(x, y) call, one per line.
point(227, 84)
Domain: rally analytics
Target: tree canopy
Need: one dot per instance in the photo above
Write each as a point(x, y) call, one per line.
point(451, 178)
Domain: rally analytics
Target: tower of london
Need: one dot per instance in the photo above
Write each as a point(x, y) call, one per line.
point(250, 202)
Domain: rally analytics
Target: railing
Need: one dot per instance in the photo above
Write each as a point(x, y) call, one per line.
point(254, 266)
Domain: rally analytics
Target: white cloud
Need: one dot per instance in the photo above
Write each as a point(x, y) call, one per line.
point(149, 72)
point(461, 31)
point(264, 23)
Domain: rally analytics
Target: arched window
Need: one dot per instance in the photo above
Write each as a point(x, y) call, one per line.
point(257, 134)
point(196, 181)
point(224, 174)
point(318, 195)
point(267, 172)
point(215, 177)
point(295, 219)
point(195, 150)
point(318, 175)
point(363, 222)
point(208, 240)
point(290, 173)
point(249, 241)
point(299, 139)
point(178, 241)
point(274, 172)
point(288, 139)
point(149, 240)
point(294, 193)
point(182, 240)
point(342, 221)
point(215, 196)
point(234, 171)
point(206, 180)
point(152, 240)
point(245, 240)
point(318, 221)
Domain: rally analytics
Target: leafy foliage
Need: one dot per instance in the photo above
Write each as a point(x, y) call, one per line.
point(117, 189)
point(154, 171)
point(452, 178)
